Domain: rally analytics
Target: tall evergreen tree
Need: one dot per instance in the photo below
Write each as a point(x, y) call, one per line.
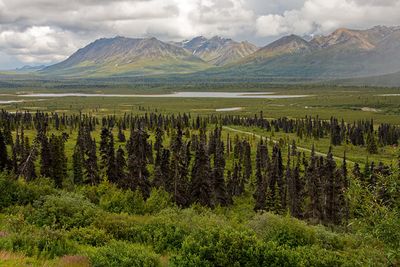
point(218, 174)
point(120, 166)
point(77, 165)
point(29, 154)
point(314, 188)
point(91, 167)
point(180, 161)
point(260, 194)
point(3, 153)
point(121, 135)
point(372, 147)
point(332, 190)
point(357, 171)
point(58, 159)
point(162, 172)
point(201, 184)
point(139, 155)
point(296, 191)
point(111, 160)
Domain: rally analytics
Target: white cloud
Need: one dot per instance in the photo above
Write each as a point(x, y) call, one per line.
point(36, 44)
point(321, 16)
point(38, 30)
point(46, 30)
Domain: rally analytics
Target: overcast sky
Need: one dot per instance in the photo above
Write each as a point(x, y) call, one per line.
point(47, 31)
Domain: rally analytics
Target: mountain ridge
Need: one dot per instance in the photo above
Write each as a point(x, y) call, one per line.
point(344, 53)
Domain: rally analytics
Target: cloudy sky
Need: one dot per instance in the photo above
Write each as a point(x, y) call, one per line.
point(46, 31)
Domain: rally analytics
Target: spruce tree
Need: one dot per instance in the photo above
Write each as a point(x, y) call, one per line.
point(260, 194)
point(357, 171)
point(344, 186)
point(372, 147)
point(139, 155)
point(58, 159)
point(314, 188)
point(162, 172)
point(3, 153)
point(332, 189)
point(201, 184)
point(29, 154)
point(77, 165)
point(121, 135)
point(178, 185)
point(218, 174)
point(120, 166)
point(104, 149)
point(91, 167)
point(111, 163)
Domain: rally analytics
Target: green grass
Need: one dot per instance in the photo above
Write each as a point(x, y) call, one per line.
point(346, 103)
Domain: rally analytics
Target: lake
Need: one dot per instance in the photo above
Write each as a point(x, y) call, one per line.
point(266, 95)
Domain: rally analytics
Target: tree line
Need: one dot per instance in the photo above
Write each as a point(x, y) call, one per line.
point(193, 164)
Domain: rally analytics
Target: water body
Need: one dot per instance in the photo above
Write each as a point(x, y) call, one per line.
point(19, 101)
point(10, 101)
point(267, 95)
point(227, 109)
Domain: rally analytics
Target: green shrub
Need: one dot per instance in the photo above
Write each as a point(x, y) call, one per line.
point(283, 230)
point(112, 199)
point(21, 193)
point(219, 247)
point(43, 242)
point(292, 232)
point(159, 199)
point(8, 189)
point(122, 254)
point(63, 211)
point(89, 236)
point(163, 236)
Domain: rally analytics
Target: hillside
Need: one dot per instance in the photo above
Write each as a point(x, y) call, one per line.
point(344, 53)
point(387, 80)
point(219, 51)
point(127, 56)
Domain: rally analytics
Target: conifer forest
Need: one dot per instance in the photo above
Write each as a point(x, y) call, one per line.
point(152, 188)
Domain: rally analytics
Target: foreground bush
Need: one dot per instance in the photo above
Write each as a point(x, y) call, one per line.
point(63, 211)
point(122, 254)
point(45, 242)
point(89, 236)
point(162, 235)
point(15, 192)
point(113, 199)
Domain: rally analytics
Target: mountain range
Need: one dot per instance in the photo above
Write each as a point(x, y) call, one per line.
point(344, 53)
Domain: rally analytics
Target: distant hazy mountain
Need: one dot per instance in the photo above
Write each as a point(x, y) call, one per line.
point(128, 56)
point(343, 54)
point(217, 50)
point(388, 80)
point(287, 45)
point(28, 68)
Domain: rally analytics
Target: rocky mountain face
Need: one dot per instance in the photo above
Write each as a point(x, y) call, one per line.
point(219, 51)
point(122, 54)
point(342, 54)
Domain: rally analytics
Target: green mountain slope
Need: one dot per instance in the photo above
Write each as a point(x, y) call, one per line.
point(127, 56)
point(344, 53)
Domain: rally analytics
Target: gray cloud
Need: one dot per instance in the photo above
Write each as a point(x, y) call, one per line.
point(44, 31)
point(320, 16)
